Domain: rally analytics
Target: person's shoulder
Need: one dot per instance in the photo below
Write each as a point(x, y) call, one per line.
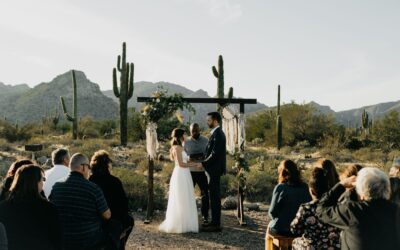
point(203, 138)
point(114, 179)
point(280, 187)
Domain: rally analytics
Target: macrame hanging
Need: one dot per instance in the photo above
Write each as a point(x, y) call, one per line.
point(151, 140)
point(230, 128)
point(241, 132)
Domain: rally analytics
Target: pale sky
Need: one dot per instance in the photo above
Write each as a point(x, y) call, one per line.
point(341, 53)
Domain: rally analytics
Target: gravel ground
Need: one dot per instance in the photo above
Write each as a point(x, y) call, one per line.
point(233, 236)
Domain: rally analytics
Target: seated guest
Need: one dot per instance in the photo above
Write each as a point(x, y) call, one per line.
point(31, 222)
point(287, 197)
point(5, 187)
point(113, 191)
point(81, 205)
point(351, 193)
point(316, 234)
point(3, 238)
point(369, 223)
point(395, 190)
point(330, 171)
point(395, 169)
point(59, 171)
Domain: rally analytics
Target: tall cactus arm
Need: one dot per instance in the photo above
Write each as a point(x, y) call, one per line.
point(131, 86)
point(230, 93)
point(119, 64)
point(215, 72)
point(67, 116)
point(115, 83)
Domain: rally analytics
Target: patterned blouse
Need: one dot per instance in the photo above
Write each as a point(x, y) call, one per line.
point(316, 234)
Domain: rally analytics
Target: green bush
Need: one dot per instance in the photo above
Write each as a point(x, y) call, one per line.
point(13, 133)
point(135, 186)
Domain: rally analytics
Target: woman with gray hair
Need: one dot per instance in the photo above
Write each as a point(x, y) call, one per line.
point(369, 223)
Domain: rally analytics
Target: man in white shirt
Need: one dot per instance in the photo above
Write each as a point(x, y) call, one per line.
point(59, 171)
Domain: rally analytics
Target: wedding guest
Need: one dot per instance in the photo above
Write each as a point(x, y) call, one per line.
point(315, 234)
point(5, 187)
point(395, 169)
point(82, 207)
point(369, 223)
point(330, 171)
point(395, 190)
point(59, 171)
point(31, 222)
point(351, 193)
point(3, 238)
point(113, 190)
point(287, 197)
point(195, 146)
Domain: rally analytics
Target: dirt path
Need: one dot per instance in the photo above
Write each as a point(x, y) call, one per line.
point(233, 235)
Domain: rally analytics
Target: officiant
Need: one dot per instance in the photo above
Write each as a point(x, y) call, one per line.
point(195, 147)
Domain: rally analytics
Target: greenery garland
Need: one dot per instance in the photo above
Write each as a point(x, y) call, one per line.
point(163, 105)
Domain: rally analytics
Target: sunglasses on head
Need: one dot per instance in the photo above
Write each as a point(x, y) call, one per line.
point(88, 165)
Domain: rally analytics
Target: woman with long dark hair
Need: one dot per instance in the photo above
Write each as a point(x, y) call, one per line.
point(5, 187)
point(31, 222)
point(287, 196)
point(113, 190)
point(315, 234)
point(330, 172)
point(181, 216)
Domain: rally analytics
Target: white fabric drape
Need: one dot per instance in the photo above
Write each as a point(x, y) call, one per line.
point(151, 140)
point(231, 128)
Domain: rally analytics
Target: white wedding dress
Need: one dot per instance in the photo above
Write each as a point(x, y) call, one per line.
point(181, 216)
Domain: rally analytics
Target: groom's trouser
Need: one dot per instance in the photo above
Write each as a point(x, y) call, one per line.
point(200, 179)
point(215, 199)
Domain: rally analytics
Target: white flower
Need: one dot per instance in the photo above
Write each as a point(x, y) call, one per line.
point(158, 100)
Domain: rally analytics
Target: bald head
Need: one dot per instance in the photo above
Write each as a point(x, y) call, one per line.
point(77, 160)
point(195, 130)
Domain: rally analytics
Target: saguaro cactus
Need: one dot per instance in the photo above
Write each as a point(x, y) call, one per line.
point(74, 117)
point(230, 93)
point(279, 121)
point(124, 93)
point(365, 122)
point(219, 74)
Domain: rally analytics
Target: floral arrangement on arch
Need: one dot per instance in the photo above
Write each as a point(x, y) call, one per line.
point(163, 105)
point(241, 167)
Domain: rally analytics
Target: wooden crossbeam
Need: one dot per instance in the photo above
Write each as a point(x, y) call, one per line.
point(208, 100)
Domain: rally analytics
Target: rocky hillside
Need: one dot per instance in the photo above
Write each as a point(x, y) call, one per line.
point(24, 104)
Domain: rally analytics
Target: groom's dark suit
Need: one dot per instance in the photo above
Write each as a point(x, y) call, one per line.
point(215, 165)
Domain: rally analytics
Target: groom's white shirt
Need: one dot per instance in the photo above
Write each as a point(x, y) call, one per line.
point(213, 130)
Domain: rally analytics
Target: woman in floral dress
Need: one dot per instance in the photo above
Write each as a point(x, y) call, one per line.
point(315, 234)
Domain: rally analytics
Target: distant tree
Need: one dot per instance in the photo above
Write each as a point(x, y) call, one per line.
point(386, 131)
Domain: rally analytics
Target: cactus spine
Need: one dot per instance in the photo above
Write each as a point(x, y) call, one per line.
point(74, 117)
point(279, 121)
point(124, 93)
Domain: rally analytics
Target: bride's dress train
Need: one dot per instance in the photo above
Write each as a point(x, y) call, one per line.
point(181, 216)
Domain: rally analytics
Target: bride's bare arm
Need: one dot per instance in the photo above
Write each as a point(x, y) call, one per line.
point(177, 153)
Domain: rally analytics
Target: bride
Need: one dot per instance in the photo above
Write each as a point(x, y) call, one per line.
point(181, 216)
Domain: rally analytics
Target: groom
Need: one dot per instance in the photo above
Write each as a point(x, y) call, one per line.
point(215, 165)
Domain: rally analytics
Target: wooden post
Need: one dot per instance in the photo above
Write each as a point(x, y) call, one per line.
point(150, 190)
point(240, 207)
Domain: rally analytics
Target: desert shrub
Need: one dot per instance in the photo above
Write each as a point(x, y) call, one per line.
point(259, 186)
point(229, 185)
point(135, 186)
point(353, 143)
point(14, 133)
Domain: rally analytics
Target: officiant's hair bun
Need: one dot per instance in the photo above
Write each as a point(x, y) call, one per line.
point(177, 135)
